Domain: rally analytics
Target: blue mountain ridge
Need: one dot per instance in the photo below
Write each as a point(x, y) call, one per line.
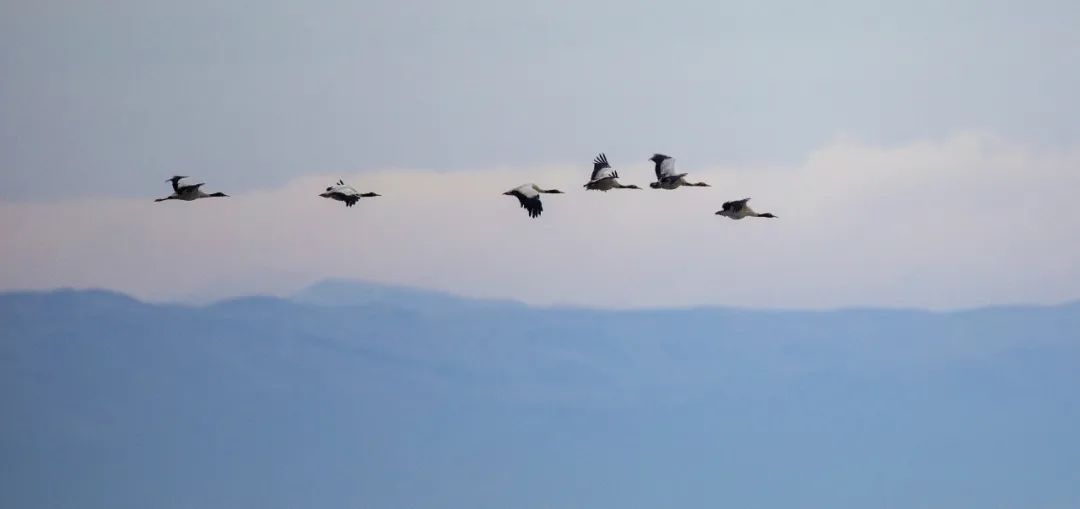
point(359, 395)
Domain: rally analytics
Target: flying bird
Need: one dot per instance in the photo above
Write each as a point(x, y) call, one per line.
point(739, 209)
point(529, 197)
point(187, 192)
point(666, 178)
point(345, 193)
point(604, 177)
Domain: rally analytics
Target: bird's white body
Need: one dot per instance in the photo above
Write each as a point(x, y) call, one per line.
point(604, 184)
point(528, 190)
point(345, 193)
point(191, 193)
point(738, 214)
point(672, 182)
point(344, 190)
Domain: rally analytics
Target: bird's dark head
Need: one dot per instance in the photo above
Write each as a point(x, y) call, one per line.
point(553, 191)
point(631, 186)
point(175, 178)
point(656, 158)
point(654, 185)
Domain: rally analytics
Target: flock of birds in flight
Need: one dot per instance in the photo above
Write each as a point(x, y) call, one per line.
point(603, 178)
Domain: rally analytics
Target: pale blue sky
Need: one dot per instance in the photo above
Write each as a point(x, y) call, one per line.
point(112, 95)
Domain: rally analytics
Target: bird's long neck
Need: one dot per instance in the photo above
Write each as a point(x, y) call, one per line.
point(699, 184)
point(766, 214)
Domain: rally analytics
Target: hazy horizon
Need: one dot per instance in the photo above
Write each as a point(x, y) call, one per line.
point(968, 222)
point(298, 296)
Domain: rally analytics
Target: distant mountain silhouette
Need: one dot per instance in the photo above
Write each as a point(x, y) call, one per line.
point(346, 292)
point(354, 395)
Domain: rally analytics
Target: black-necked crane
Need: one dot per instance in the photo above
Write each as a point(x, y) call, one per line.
point(738, 209)
point(666, 177)
point(604, 177)
point(529, 197)
point(345, 193)
point(188, 192)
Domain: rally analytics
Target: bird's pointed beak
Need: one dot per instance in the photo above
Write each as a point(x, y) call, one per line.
point(508, 193)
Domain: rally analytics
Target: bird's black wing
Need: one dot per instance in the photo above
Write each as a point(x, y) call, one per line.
point(349, 200)
point(531, 205)
point(599, 163)
point(190, 188)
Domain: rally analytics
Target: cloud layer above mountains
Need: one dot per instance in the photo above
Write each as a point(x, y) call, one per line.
point(970, 220)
